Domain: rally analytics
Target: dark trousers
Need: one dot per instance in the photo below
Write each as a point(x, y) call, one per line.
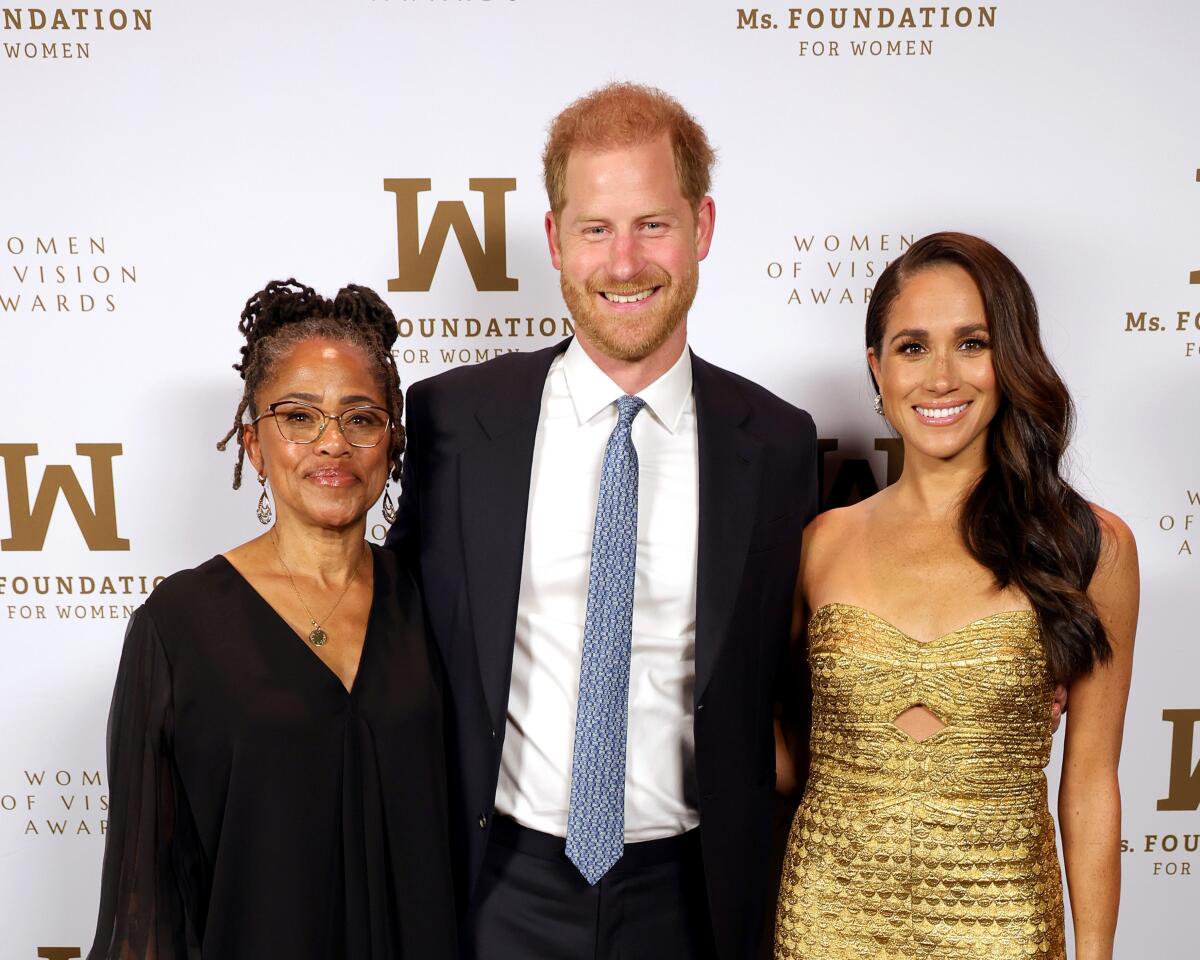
point(531, 903)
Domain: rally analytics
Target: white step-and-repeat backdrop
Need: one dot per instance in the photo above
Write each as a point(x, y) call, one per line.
point(162, 163)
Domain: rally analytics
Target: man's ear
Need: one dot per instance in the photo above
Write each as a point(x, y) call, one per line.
point(552, 239)
point(706, 220)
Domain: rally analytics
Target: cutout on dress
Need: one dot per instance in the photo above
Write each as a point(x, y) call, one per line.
point(918, 722)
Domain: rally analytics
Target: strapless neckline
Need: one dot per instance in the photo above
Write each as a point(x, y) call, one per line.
point(908, 636)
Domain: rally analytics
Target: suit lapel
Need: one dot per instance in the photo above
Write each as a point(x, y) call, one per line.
point(494, 499)
point(730, 462)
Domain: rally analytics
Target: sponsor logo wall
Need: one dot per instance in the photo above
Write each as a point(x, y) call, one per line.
point(165, 162)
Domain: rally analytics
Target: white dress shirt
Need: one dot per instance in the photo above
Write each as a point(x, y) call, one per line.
point(578, 413)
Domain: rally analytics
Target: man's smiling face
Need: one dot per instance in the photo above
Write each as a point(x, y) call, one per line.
point(627, 243)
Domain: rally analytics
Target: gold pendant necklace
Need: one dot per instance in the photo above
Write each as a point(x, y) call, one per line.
point(317, 637)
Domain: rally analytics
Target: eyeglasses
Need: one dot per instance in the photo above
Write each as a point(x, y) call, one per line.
point(304, 423)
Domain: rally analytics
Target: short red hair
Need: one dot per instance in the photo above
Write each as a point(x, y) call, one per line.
point(621, 115)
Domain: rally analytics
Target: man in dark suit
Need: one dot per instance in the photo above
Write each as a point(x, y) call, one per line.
point(607, 534)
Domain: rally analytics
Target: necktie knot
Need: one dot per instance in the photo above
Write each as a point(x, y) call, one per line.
point(628, 407)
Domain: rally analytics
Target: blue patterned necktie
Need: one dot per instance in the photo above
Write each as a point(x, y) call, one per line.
point(596, 821)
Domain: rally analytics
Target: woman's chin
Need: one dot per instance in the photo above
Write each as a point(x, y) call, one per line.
point(940, 443)
point(941, 449)
point(332, 516)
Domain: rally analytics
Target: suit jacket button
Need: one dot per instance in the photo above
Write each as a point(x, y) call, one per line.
point(482, 822)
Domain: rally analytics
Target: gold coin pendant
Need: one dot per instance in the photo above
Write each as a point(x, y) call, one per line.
point(318, 637)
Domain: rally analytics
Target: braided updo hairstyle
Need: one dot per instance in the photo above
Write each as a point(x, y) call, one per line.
point(285, 313)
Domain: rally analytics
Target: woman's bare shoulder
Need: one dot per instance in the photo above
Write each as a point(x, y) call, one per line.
point(1117, 565)
point(829, 535)
point(838, 523)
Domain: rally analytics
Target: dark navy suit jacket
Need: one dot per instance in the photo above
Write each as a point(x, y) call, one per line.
point(461, 524)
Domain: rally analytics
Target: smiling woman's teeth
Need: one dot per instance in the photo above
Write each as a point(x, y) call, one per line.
point(941, 413)
point(632, 298)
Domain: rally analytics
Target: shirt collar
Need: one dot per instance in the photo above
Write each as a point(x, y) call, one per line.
point(591, 389)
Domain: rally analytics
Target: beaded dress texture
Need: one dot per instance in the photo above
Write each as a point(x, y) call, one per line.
point(938, 849)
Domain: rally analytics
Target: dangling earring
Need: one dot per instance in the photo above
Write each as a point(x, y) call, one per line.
point(877, 403)
point(389, 508)
point(264, 505)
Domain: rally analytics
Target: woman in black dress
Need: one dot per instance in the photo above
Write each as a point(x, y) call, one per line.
point(275, 742)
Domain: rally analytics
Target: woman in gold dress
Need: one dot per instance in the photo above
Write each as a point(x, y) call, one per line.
point(939, 615)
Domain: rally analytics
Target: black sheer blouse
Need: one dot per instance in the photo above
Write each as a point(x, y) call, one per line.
point(257, 809)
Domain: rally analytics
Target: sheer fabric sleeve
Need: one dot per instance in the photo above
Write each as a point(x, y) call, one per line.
point(141, 913)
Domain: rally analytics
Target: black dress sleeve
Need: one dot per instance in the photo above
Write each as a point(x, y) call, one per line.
point(141, 909)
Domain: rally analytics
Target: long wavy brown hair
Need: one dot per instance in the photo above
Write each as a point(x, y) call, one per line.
point(1021, 519)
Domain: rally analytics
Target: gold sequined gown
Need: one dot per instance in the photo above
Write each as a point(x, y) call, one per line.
point(940, 849)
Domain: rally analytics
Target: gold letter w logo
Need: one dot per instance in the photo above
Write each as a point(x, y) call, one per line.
point(1195, 276)
point(488, 262)
point(1184, 790)
point(98, 525)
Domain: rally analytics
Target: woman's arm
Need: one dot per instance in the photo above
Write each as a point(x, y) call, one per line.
point(1089, 799)
point(141, 913)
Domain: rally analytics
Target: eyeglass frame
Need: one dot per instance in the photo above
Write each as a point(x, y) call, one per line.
point(325, 418)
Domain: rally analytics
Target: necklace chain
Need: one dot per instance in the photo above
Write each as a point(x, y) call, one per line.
point(317, 637)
